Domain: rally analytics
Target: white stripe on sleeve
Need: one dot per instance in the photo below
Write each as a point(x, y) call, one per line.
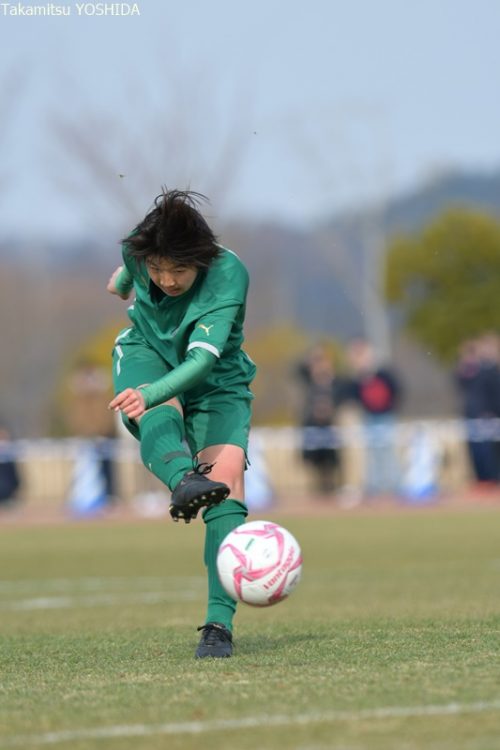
point(204, 345)
point(119, 352)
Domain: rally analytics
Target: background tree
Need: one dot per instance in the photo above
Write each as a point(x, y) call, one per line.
point(350, 153)
point(445, 279)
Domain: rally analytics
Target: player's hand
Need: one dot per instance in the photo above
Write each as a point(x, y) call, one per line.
point(111, 287)
point(130, 402)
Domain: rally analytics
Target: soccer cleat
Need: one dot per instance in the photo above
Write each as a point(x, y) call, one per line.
point(216, 641)
point(195, 491)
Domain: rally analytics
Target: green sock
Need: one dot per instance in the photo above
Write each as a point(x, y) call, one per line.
point(220, 520)
point(162, 449)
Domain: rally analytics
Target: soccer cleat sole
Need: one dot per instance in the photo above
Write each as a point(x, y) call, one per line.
point(189, 511)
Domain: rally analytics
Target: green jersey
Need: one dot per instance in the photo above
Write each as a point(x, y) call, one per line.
point(210, 316)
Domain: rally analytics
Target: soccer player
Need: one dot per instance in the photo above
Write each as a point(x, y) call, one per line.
point(182, 379)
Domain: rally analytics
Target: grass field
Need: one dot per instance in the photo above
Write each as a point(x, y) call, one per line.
point(392, 640)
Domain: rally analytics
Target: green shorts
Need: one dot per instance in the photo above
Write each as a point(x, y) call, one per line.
point(221, 416)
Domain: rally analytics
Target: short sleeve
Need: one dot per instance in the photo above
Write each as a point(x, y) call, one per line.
point(211, 332)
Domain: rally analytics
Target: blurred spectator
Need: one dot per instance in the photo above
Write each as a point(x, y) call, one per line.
point(9, 474)
point(377, 391)
point(319, 446)
point(89, 418)
point(477, 375)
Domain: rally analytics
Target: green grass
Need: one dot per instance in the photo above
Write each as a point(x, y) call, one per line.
point(402, 610)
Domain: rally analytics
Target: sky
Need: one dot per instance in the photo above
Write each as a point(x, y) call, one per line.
point(285, 111)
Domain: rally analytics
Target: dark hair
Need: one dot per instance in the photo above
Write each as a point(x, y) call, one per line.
point(174, 229)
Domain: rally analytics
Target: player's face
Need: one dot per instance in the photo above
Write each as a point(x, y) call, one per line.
point(171, 278)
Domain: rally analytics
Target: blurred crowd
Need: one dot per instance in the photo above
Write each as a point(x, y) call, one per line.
point(374, 391)
point(334, 383)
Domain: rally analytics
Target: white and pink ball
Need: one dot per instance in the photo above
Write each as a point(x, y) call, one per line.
point(259, 563)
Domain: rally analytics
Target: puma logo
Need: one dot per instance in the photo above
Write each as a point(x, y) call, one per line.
point(206, 328)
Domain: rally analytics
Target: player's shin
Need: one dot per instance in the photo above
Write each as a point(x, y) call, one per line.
point(220, 520)
point(162, 449)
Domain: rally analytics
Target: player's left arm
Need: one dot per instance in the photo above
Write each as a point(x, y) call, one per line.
point(212, 330)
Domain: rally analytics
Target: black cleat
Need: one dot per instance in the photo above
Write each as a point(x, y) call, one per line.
point(216, 641)
point(195, 491)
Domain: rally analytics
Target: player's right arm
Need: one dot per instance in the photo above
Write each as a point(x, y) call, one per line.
point(121, 282)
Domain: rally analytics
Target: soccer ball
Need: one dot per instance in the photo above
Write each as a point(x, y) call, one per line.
point(259, 563)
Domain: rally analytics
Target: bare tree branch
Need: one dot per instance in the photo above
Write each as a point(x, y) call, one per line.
point(12, 86)
point(336, 159)
point(115, 172)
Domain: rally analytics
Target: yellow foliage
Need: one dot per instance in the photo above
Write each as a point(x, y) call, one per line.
point(85, 387)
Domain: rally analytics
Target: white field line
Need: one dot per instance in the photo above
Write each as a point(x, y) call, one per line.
point(74, 593)
point(95, 583)
point(263, 721)
point(98, 600)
